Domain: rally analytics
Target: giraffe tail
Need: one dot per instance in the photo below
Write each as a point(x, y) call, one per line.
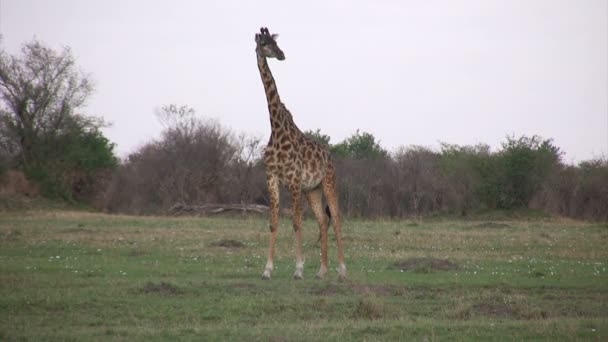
point(328, 213)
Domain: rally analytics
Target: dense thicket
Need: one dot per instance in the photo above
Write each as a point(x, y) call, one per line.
point(197, 162)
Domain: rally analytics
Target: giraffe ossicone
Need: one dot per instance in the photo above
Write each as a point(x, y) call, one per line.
point(301, 164)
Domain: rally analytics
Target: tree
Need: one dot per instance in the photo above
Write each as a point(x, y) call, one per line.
point(592, 190)
point(471, 177)
point(359, 146)
point(319, 137)
point(192, 163)
point(247, 182)
point(417, 182)
point(363, 167)
point(41, 92)
point(525, 163)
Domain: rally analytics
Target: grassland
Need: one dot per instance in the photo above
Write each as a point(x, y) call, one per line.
point(84, 276)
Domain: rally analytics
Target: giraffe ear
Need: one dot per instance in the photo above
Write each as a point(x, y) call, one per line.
point(275, 36)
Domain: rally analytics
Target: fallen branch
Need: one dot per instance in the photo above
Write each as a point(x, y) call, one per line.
point(211, 209)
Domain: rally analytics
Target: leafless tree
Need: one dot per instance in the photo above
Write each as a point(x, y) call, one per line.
point(194, 162)
point(419, 183)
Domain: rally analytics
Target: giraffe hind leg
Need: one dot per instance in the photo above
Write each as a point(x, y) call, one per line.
point(296, 194)
point(315, 201)
point(331, 193)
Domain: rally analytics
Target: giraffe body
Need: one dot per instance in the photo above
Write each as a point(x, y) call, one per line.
point(297, 158)
point(299, 163)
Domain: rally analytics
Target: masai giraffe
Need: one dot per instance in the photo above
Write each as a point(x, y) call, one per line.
point(299, 163)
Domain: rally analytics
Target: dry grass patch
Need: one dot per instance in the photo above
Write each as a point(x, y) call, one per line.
point(380, 290)
point(369, 308)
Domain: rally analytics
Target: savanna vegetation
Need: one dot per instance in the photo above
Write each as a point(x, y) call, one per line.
point(61, 151)
point(466, 242)
point(83, 276)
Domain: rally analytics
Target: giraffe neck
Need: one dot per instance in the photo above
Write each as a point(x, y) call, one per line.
point(280, 118)
point(270, 87)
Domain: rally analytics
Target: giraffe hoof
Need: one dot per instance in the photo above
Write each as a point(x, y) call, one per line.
point(319, 276)
point(266, 275)
point(297, 275)
point(342, 273)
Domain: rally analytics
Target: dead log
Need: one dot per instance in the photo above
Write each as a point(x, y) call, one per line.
point(211, 209)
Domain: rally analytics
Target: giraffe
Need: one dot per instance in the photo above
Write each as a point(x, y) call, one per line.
point(299, 163)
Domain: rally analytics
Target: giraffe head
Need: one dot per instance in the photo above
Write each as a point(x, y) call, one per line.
point(266, 45)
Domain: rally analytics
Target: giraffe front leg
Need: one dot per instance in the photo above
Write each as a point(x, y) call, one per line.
point(273, 189)
point(296, 194)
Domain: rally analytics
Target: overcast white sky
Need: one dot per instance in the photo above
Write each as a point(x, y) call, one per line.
point(409, 72)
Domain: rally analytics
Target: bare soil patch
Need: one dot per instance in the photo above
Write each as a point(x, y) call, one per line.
point(228, 243)
point(136, 253)
point(163, 289)
point(329, 290)
point(425, 265)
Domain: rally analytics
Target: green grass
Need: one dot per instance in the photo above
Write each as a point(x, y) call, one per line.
point(82, 276)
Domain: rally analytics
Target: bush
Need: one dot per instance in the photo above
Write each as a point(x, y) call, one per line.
point(4, 163)
point(364, 187)
point(524, 165)
point(468, 172)
point(74, 165)
point(418, 184)
point(198, 162)
point(194, 162)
